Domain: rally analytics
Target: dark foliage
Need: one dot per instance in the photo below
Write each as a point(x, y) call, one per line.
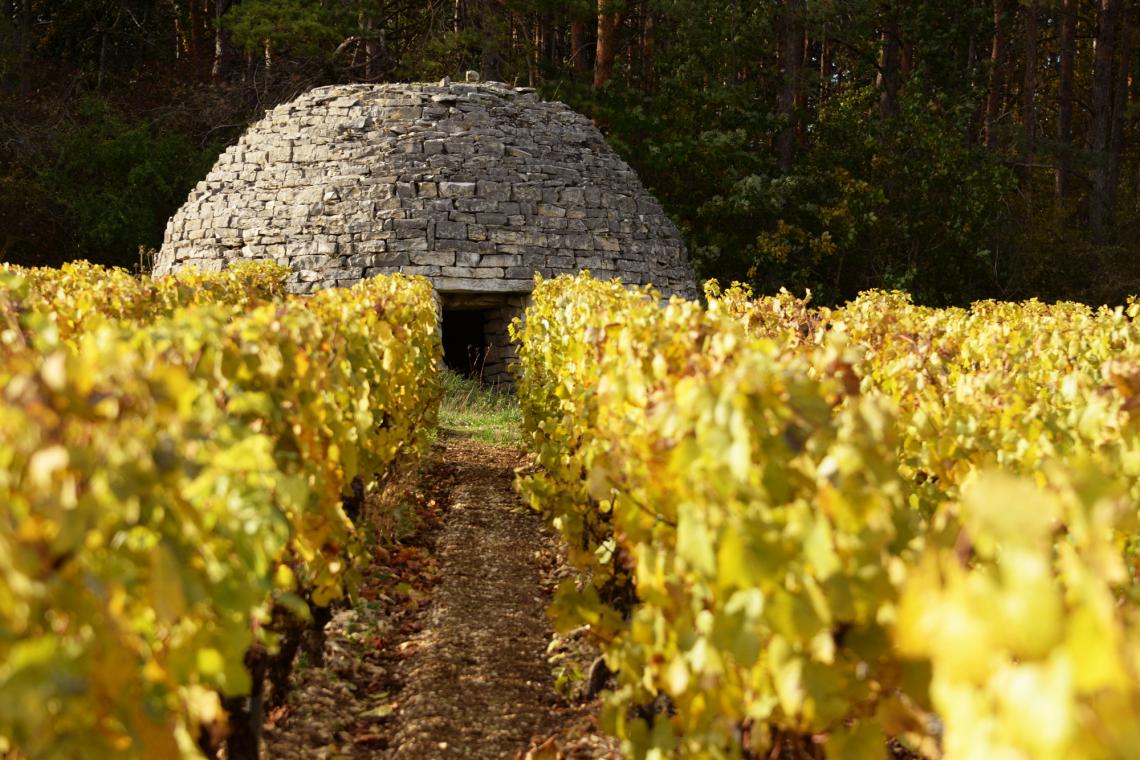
point(956, 150)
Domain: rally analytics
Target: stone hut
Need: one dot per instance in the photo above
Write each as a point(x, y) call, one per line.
point(476, 185)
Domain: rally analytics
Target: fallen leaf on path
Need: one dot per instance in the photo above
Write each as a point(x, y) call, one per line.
point(547, 750)
point(276, 715)
point(370, 739)
point(382, 711)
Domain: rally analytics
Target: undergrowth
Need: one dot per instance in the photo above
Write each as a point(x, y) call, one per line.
point(484, 412)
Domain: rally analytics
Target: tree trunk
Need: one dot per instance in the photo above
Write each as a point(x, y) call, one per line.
point(1100, 120)
point(534, 55)
point(223, 46)
point(1134, 80)
point(578, 45)
point(102, 60)
point(492, 58)
point(889, 79)
point(367, 26)
point(801, 91)
point(549, 41)
point(195, 31)
point(906, 60)
point(1119, 109)
point(105, 32)
point(606, 47)
point(824, 69)
point(648, 48)
point(997, 68)
point(1065, 97)
point(1029, 80)
point(177, 37)
point(975, 127)
point(24, 43)
point(791, 58)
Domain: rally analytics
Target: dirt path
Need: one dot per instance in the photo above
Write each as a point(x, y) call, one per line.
point(477, 683)
point(446, 654)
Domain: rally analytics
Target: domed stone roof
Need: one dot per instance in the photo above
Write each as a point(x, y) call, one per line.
point(476, 185)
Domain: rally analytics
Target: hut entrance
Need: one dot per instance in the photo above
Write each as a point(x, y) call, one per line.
point(476, 336)
point(464, 341)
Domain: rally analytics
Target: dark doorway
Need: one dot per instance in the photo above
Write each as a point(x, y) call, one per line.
point(464, 340)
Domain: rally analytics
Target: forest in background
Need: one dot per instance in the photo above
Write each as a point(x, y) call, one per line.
point(957, 149)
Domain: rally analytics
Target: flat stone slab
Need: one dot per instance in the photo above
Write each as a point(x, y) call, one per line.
point(489, 285)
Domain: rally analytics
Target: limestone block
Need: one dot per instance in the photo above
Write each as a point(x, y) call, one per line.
point(410, 228)
point(433, 258)
point(468, 258)
point(528, 193)
point(477, 205)
point(457, 189)
point(501, 260)
point(371, 246)
point(550, 224)
point(513, 237)
point(408, 244)
point(378, 260)
point(466, 246)
point(606, 243)
point(491, 219)
point(479, 272)
point(493, 191)
point(464, 285)
point(279, 155)
point(450, 230)
point(342, 273)
point(401, 113)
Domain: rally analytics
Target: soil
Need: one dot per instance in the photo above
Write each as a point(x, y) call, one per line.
point(446, 655)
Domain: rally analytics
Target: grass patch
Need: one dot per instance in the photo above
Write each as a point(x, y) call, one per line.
point(486, 413)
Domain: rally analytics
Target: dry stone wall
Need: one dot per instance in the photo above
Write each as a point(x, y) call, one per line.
point(476, 185)
point(500, 352)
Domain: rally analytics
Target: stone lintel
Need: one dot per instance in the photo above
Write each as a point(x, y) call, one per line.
point(488, 285)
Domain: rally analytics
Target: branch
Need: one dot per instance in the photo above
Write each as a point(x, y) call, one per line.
point(655, 515)
point(341, 47)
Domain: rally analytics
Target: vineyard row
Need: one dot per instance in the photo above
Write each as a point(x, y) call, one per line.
point(812, 532)
point(176, 461)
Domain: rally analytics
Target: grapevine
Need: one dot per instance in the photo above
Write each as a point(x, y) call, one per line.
point(175, 455)
point(835, 527)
